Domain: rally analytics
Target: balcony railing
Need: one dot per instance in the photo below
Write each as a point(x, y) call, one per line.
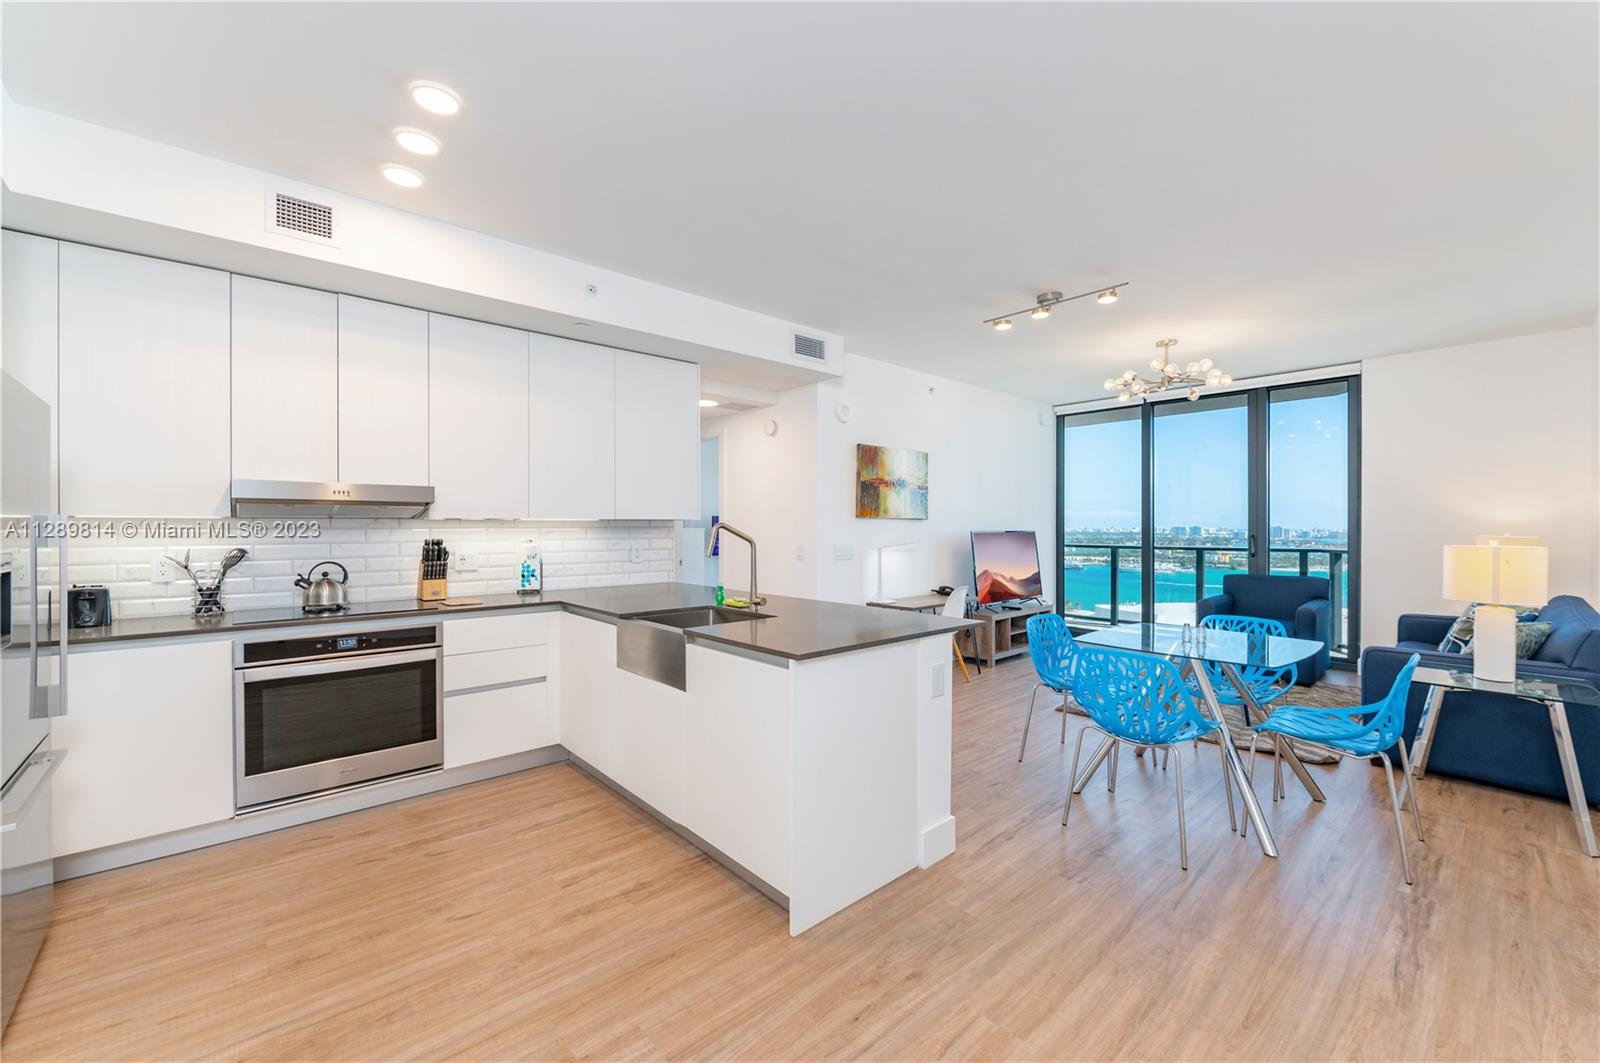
point(1184, 562)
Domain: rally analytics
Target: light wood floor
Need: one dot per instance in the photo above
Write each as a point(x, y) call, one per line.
point(540, 916)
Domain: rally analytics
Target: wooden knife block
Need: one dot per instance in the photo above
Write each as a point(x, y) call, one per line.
point(431, 590)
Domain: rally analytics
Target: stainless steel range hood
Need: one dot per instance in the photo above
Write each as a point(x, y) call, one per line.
point(274, 498)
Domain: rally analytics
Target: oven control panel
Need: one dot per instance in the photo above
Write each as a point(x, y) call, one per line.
point(323, 647)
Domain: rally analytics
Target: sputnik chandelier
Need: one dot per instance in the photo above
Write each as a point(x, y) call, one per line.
point(1044, 301)
point(1194, 376)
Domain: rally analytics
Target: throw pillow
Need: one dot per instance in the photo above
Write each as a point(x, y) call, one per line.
point(1529, 638)
point(1459, 638)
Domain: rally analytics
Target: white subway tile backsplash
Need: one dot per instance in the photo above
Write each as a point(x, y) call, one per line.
point(381, 556)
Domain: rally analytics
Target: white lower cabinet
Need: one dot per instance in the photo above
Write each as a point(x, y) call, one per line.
point(149, 735)
point(588, 667)
point(495, 703)
point(737, 752)
point(650, 725)
point(485, 724)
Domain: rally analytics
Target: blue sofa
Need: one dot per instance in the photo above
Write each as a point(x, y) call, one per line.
point(1492, 738)
point(1300, 603)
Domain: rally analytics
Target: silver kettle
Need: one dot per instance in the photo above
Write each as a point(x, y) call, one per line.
point(325, 594)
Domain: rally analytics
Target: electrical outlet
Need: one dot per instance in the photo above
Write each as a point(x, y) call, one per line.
point(941, 672)
point(466, 562)
point(635, 554)
point(161, 570)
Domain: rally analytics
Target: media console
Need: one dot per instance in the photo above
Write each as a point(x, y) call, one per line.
point(1003, 630)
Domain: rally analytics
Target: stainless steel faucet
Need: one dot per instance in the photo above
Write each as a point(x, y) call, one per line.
point(756, 600)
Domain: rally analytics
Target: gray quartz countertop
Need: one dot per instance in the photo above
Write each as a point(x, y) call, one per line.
point(795, 628)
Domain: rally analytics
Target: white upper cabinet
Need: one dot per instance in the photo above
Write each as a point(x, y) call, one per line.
point(28, 350)
point(572, 455)
point(477, 418)
point(658, 438)
point(144, 391)
point(285, 382)
point(383, 393)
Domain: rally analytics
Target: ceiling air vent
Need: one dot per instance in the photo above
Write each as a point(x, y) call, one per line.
point(810, 347)
point(293, 216)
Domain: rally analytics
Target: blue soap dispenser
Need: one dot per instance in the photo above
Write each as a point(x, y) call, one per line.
point(530, 576)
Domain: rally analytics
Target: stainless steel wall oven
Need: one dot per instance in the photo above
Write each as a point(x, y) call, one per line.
point(326, 711)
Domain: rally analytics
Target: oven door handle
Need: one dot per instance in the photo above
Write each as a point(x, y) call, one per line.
point(369, 663)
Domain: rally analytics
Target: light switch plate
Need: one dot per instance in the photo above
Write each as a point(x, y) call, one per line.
point(941, 672)
point(800, 551)
point(844, 552)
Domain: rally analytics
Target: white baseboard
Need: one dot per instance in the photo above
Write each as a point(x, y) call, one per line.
point(938, 842)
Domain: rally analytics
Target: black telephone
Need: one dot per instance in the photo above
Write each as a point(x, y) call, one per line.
point(944, 590)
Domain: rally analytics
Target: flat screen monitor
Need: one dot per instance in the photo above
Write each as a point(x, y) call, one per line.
point(1005, 566)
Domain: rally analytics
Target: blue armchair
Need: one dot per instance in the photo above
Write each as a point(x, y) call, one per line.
point(1493, 738)
point(1299, 603)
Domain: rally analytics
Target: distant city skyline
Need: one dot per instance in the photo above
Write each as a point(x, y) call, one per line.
point(1201, 466)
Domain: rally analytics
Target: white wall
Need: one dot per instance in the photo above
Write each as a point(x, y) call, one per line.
point(769, 489)
point(1459, 441)
point(991, 464)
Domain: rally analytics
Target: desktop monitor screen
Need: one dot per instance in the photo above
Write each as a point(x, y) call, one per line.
point(1005, 566)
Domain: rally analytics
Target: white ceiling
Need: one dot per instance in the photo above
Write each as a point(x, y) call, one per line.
point(1284, 185)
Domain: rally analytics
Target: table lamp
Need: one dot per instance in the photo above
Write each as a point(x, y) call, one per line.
point(1497, 572)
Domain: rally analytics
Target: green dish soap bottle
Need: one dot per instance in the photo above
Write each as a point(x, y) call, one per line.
point(720, 598)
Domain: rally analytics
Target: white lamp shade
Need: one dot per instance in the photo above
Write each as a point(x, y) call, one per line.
point(1501, 575)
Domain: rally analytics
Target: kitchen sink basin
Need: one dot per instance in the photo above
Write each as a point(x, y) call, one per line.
point(704, 616)
point(655, 645)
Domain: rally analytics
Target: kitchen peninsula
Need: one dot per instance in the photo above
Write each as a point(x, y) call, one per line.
point(808, 747)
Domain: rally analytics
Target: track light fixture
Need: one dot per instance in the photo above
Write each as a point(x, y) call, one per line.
point(1044, 301)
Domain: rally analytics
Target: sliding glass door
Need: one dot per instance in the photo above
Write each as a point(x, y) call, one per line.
point(1309, 495)
point(1200, 470)
point(1158, 502)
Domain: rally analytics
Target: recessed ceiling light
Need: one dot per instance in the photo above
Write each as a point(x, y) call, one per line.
point(435, 98)
point(709, 402)
point(404, 176)
point(416, 141)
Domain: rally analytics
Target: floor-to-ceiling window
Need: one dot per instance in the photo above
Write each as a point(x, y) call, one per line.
point(1158, 502)
point(1101, 466)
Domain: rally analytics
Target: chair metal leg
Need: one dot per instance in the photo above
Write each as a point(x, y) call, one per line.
point(1405, 773)
point(956, 649)
point(1066, 809)
point(1111, 775)
point(1095, 760)
point(1064, 715)
point(1027, 721)
point(1277, 768)
point(1166, 755)
point(1183, 835)
point(1399, 824)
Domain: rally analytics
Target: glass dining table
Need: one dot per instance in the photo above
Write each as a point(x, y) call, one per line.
point(1229, 650)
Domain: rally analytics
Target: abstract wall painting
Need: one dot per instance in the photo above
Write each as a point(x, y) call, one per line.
point(891, 482)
